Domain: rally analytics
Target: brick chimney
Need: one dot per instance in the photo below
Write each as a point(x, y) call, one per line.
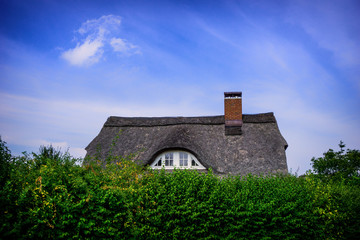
point(233, 113)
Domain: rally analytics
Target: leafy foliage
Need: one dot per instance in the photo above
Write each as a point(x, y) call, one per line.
point(338, 165)
point(5, 161)
point(48, 196)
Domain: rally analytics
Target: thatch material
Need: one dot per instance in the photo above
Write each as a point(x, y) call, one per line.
point(260, 148)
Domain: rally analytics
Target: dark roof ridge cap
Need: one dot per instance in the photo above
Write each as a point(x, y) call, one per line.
point(114, 121)
point(162, 121)
point(166, 117)
point(259, 118)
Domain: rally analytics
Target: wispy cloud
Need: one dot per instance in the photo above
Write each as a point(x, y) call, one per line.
point(91, 39)
point(308, 130)
point(216, 33)
point(31, 122)
point(332, 26)
point(122, 46)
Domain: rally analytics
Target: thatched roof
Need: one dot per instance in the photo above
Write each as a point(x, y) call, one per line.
point(259, 149)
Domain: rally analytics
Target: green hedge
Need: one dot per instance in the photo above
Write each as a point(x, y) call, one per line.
point(46, 198)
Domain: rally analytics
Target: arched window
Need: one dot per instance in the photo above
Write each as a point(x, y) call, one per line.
point(176, 159)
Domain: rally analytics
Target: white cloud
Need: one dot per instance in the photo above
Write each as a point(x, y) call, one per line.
point(94, 35)
point(85, 54)
point(103, 25)
point(121, 45)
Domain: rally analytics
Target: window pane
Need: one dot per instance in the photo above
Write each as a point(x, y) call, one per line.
point(183, 159)
point(158, 163)
point(193, 163)
point(169, 159)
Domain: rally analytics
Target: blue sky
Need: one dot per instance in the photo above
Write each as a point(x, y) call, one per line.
point(65, 66)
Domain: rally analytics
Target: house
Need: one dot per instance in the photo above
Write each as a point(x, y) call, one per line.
point(233, 143)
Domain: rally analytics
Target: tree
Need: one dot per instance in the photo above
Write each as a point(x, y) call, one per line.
point(5, 159)
point(338, 165)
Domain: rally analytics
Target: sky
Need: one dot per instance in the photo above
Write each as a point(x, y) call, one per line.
point(66, 66)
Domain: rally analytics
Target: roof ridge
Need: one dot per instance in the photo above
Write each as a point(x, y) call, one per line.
point(114, 121)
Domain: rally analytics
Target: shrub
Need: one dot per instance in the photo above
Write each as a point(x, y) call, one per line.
point(338, 165)
point(49, 196)
point(5, 162)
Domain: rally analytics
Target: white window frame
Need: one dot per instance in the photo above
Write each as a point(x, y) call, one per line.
point(160, 160)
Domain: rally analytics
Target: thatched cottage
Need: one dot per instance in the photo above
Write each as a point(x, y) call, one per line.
point(233, 143)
